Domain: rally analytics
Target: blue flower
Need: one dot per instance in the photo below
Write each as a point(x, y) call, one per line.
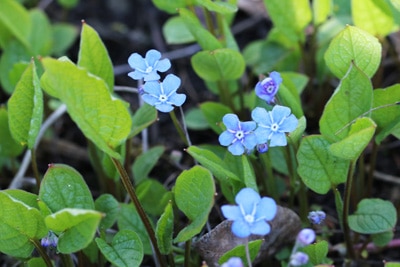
point(147, 67)
point(267, 88)
point(233, 262)
point(272, 125)
point(262, 148)
point(305, 237)
point(316, 217)
point(239, 136)
point(162, 95)
point(50, 240)
point(298, 259)
point(251, 214)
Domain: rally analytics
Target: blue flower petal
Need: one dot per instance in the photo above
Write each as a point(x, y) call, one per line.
point(248, 126)
point(247, 197)
point(226, 138)
point(260, 228)
point(289, 124)
point(262, 134)
point(276, 77)
point(136, 75)
point(177, 99)
point(236, 149)
point(279, 113)
point(171, 83)
point(152, 87)
point(240, 228)
point(152, 56)
point(164, 107)
point(266, 209)
point(150, 99)
point(231, 121)
point(278, 139)
point(250, 141)
point(261, 116)
point(152, 76)
point(231, 212)
point(136, 62)
point(163, 65)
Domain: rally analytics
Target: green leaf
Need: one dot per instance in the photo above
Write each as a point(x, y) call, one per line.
point(175, 31)
point(64, 36)
point(93, 56)
point(290, 16)
point(392, 264)
point(194, 195)
point(373, 216)
point(126, 249)
point(143, 118)
point(318, 168)
point(129, 219)
point(382, 239)
point(195, 119)
point(213, 113)
point(25, 197)
point(218, 7)
point(8, 146)
point(360, 135)
point(63, 187)
point(41, 36)
point(170, 6)
point(108, 205)
point(75, 228)
point(373, 16)
point(249, 176)
point(19, 226)
point(240, 251)
point(146, 191)
point(165, 229)
point(213, 163)
point(352, 99)
point(68, 3)
point(290, 99)
point(353, 45)
point(145, 162)
point(317, 252)
point(102, 119)
point(204, 38)
point(321, 11)
point(25, 108)
point(219, 64)
point(15, 18)
point(36, 262)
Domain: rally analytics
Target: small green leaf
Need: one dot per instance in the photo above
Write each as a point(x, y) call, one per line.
point(145, 162)
point(382, 239)
point(129, 219)
point(290, 99)
point(64, 187)
point(75, 228)
point(126, 249)
point(164, 230)
point(195, 119)
point(94, 57)
point(321, 11)
point(108, 205)
point(218, 7)
point(41, 36)
point(8, 146)
point(249, 176)
point(373, 216)
point(318, 168)
point(204, 38)
point(240, 251)
point(219, 64)
point(213, 112)
point(25, 108)
point(170, 6)
point(353, 45)
point(392, 264)
point(196, 185)
point(143, 118)
point(25, 197)
point(175, 31)
point(146, 191)
point(360, 135)
point(19, 226)
point(352, 99)
point(317, 252)
point(102, 119)
point(64, 36)
point(373, 16)
point(68, 3)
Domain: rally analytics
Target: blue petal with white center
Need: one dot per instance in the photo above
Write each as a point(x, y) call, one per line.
point(146, 68)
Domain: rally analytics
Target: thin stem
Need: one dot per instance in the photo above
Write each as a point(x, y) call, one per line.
point(346, 208)
point(179, 128)
point(42, 252)
point(248, 252)
point(185, 126)
point(35, 168)
point(187, 253)
point(66, 260)
point(370, 177)
point(131, 191)
point(224, 94)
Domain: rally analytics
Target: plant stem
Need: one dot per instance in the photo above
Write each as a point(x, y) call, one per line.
point(187, 253)
point(248, 252)
point(370, 176)
point(146, 222)
point(42, 253)
point(179, 128)
point(270, 183)
point(35, 168)
point(346, 208)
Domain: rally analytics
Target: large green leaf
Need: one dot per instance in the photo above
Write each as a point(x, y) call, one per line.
point(126, 249)
point(373, 16)
point(25, 108)
point(194, 195)
point(75, 228)
point(353, 45)
point(41, 36)
point(64, 187)
point(213, 112)
point(218, 7)
point(8, 146)
point(318, 168)
point(176, 32)
point(352, 98)
point(64, 35)
point(143, 118)
point(317, 252)
point(164, 230)
point(102, 119)
point(15, 18)
point(146, 191)
point(19, 226)
point(219, 64)
point(321, 11)
point(145, 162)
point(373, 216)
point(94, 57)
point(108, 205)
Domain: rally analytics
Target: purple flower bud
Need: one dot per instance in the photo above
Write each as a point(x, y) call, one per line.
point(50, 240)
point(305, 237)
point(233, 262)
point(262, 148)
point(267, 88)
point(298, 259)
point(316, 217)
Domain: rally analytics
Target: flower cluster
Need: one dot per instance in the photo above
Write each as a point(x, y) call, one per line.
point(316, 217)
point(251, 214)
point(161, 95)
point(305, 237)
point(268, 128)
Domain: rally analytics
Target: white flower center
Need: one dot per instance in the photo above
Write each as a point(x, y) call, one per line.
point(163, 98)
point(239, 135)
point(149, 69)
point(274, 127)
point(249, 218)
